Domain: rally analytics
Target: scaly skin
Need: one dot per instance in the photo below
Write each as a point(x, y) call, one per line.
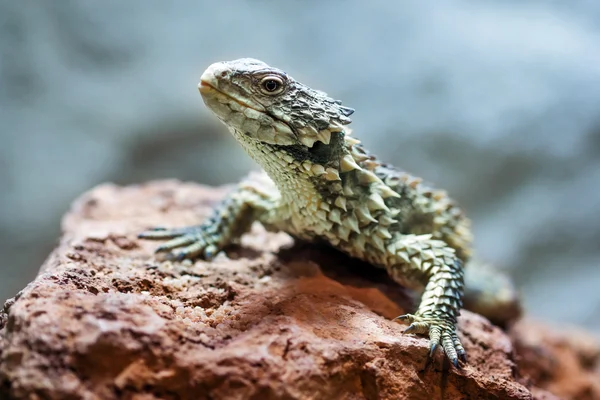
point(323, 186)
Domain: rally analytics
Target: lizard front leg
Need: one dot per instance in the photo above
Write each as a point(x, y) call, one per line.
point(434, 264)
point(249, 202)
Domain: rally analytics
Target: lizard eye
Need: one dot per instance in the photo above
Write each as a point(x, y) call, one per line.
point(271, 85)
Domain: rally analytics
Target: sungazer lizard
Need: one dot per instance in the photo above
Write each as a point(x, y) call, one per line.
point(321, 185)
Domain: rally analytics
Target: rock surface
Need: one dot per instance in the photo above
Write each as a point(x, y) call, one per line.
point(269, 320)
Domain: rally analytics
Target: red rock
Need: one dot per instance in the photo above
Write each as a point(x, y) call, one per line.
point(566, 363)
point(269, 320)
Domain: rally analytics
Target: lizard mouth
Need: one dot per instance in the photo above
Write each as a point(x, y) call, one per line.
point(205, 88)
point(250, 119)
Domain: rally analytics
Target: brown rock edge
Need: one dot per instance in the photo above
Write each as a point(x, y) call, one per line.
point(270, 319)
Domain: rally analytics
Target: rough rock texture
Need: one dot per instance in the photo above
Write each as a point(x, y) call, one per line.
point(565, 363)
point(269, 320)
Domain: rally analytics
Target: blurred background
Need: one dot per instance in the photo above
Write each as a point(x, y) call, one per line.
point(496, 101)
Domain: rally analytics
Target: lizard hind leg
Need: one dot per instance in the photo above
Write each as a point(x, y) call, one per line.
point(433, 263)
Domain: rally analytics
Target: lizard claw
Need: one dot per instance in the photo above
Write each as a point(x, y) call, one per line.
point(403, 317)
point(441, 332)
point(415, 326)
point(191, 242)
point(210, 251)
point(432, 349)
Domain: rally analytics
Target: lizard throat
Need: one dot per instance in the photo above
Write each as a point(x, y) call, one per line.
point(319, 153)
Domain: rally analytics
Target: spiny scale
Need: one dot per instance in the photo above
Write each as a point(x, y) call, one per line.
point(324, 185)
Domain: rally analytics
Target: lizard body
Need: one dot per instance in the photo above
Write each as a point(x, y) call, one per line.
point(320, 184)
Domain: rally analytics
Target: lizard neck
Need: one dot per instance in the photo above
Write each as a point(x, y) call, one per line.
point(324, 187)
point(305, 178)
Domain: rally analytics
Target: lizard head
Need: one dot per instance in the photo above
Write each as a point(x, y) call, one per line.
point(266, 104)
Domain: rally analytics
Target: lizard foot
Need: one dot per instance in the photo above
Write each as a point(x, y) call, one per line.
point(199, 241)
point(441, 331)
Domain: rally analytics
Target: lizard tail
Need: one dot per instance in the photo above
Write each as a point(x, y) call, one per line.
point(491, 293)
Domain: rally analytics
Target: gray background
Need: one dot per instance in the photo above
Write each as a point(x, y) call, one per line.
point(496, 101)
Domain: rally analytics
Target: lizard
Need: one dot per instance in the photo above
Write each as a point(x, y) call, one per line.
point(320, 184)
